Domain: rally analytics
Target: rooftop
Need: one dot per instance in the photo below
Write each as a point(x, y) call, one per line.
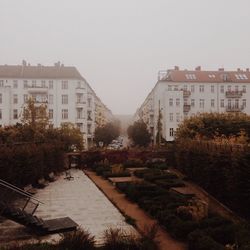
point(198, 75)
point(27, 71)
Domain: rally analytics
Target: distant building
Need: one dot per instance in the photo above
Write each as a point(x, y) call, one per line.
point(179, 94)
point(67, 95)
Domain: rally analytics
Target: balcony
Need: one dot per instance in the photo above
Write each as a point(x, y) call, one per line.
point(186, 108)
point(234, 108)
point(234, 94)
point(80, 104)
point(186, 93)
point(37, 89)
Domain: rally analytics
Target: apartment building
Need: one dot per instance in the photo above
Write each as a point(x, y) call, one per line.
point(179, 94)
point(66, 94)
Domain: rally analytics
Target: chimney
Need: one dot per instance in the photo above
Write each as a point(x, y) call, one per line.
point(176, 67)
point(221, 69)
point(198, 68)
point(24, 63)
point(238, 70)
point(247, 69)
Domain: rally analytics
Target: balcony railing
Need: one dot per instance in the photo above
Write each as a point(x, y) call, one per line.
point(186, 93)
point(235, 108)
point(234, 94)
point(37, 89)
point(186, 108)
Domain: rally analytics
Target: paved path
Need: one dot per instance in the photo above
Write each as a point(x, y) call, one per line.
point(78, 199)
point(83, 202)
point(143, 221)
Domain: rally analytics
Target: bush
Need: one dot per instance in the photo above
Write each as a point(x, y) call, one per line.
point(197, 240)
point(80, 240)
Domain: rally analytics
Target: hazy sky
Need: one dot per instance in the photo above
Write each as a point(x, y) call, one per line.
point(119, 46)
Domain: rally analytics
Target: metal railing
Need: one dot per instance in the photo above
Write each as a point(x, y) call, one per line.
point(24, 198)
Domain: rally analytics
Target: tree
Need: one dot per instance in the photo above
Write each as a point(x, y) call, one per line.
point(159, 127)
point(107, 133)
point(214, 125)
point(139, 134)
point(35, 116)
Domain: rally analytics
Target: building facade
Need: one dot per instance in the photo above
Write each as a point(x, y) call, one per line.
point(179, 94)
point(66, 94)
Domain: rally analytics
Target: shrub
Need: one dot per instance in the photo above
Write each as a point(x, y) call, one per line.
point(80, 240)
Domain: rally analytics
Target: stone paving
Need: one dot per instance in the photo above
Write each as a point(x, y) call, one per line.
point(78, 199)
point(83, 202)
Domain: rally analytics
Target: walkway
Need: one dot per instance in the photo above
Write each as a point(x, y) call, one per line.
point(143, 221)
point(79, 199)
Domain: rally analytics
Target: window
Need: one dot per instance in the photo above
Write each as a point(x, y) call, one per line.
point(175, 87)
point(79, 85)
point(64, 99)
point(51, 86)
point(14, 84)
point(171, 117)
point(222, 89)
point(229, 103)
point(192, 88)
point(212, 103)
point(89, 102)
point(1, 98)
point(244, 89)
point(169, 87)
point(79, 113)
point(79, 98)
point(25, 84)
point(25, 98)
point(89, 115)
point(241, 76)
point(236, 88)
point(177, 117)
point(202, 102)
point(229, 88)
point(80, 126)
point(244, 103)
point(50, 113)
point(171, 132)
point(185, 87)
point(185, 101)
point(0, 114)
point(43, 84)
point(64, 114)
point(1, 83)
point(171, 102)
point(15, 114)
point(33, 83)
point(236, 104)
point(15, 99)
point(190, 76)
point(222, 103)
point(64, 84)
point(192, 102)
point(212, 88)
point(50, 99)
point(89, 129)
point(201, 88)
point(178, 102)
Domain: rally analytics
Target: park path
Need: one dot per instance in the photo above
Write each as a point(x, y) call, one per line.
point(143, 221)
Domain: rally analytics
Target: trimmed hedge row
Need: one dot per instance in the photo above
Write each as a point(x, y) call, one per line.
point(25, 164)
point(223, 170)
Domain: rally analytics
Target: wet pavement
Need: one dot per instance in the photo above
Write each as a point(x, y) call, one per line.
point(79, 199)
point(82, 201)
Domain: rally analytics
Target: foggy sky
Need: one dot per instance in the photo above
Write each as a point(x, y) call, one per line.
point(119, 45)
